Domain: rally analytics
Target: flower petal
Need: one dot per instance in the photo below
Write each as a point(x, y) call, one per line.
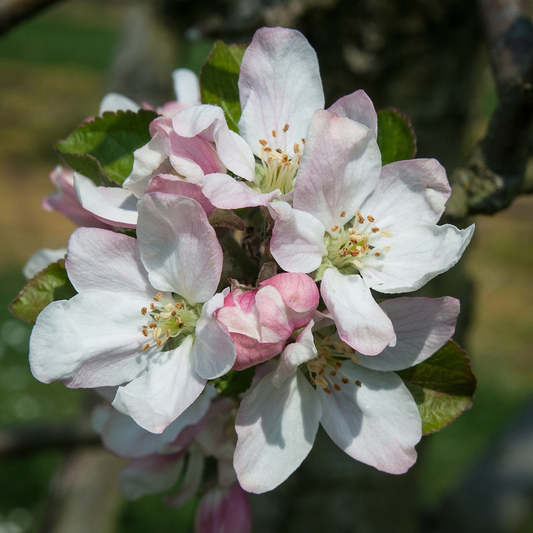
point(186, 86)
point(179, 248)
point(276, 429)
point(295, 354)
point(191, 483)
point(173, 185)
point(377, 423)
point(92, 340)
point(358, 107)
point(408, 193)
point(168, 387)
point(227, 193)
point(117, 102)
point(279, 84)
point(150, 475)
point(340, 167)
point(103, 260)
point(214, 351)
point(112, 205)
point(41, 259)
point(297, 239)
point(422, 326)
point(361, 323)
point(416, 255)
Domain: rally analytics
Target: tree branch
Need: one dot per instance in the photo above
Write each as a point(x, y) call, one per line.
point(14, 11)
point(494, 174)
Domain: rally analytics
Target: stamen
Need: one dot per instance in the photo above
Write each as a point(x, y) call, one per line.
point(279, 150)
point(144, 311)
point(361, 219)
point(303, 141)
point(377, 254)
point(333, 373)
point(335, 228)
point(375, 229)
point(153, 307)
point(386, 248)
point(370, 218)
point(152, 325)
point(157, 297)
point(358, 263)
point(145, 347)
point(327, 390)
point(385, 233)
point(343, 214)
point(357, 382)
point(262, 142)
point(145, 332)
point(337, 387)
point(296, 148)
point(345, 381)
point(274, 134)
point(321, 382)
point(285, 128)
point(159, 343)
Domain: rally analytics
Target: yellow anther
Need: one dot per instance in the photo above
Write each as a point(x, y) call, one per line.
point(145, 332)
point(144, 310)
point(370, 218)
point(343, 214)
point(375, 229)
point(159, 343)
point(274, 134)
point(145, 347)
point(333, 373)
point(153, 307)
point(157, 297)
point(327, 390)
point(335, 228)
point(262, 142)
point(357, 382)
point(296, 148)
point(360, 219)
point(337, 387)
point(385, 233)
point(377, 254)
point(345, 381)
point(285, 128)
point(386, 248)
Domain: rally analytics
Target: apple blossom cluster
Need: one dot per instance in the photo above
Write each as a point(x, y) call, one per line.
point(259, 257)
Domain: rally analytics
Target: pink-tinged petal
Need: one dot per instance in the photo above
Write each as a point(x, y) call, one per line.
point(192, 157)
point(408, 193)
point(416, 255)
point(121, 435)
point(169, 109)
point(279, 84)
point(92, 340)
point(224, 510)
point(294, 355)
point(114, 102)
point(112, 205)
point(179, 248)
point(150, 475)
point(168, 387)
point(214, 351)
point(103, 260)
point(208, 123)
point(239, 314)
point(276, 429)
point(358, 107)
point(251, 352)
point(148, 161)
point(298, 291)
point(360, 321)
point(377, 423)
point(297, 239)
point(41, 259)
point(192, 480)
point(173, 185)
point(186, 86)
point(340, 167)
point(227, 193)
point(422, 326)
point(66, 202)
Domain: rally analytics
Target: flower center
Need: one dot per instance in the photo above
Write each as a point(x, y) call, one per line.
point(326, 371)
point(169, 319)
point(278, 168)
point(352, 243)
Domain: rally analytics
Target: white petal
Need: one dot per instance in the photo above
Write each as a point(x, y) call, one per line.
point(41, 259)
point(150, 475)
point(417, 255)
point(214, 351)
point(148, 161)
point(103, 260)
point(179, 248)
point(358, 107)
point(408, 193)
point(91, 340)
point(279, 83)
point(276, 429)
point(117, 102)
point(294, 355)
point(361, 323)
point(113, 205)
point(168, 387)
point(340, 167)
point(227, 193)
point(377, 423)
point(422, 326)
point(297, 239)
point(186, 86)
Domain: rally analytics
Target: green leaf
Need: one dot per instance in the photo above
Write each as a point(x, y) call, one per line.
point(47, 286)
point(396, 138)
point(235, 381)
point(219, 80)
point(103, 149)
point(443, 386)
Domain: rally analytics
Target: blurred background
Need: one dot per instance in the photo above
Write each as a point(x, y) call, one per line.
point(428, 59)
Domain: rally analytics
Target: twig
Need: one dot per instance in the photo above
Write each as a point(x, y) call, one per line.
point(494, 174)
